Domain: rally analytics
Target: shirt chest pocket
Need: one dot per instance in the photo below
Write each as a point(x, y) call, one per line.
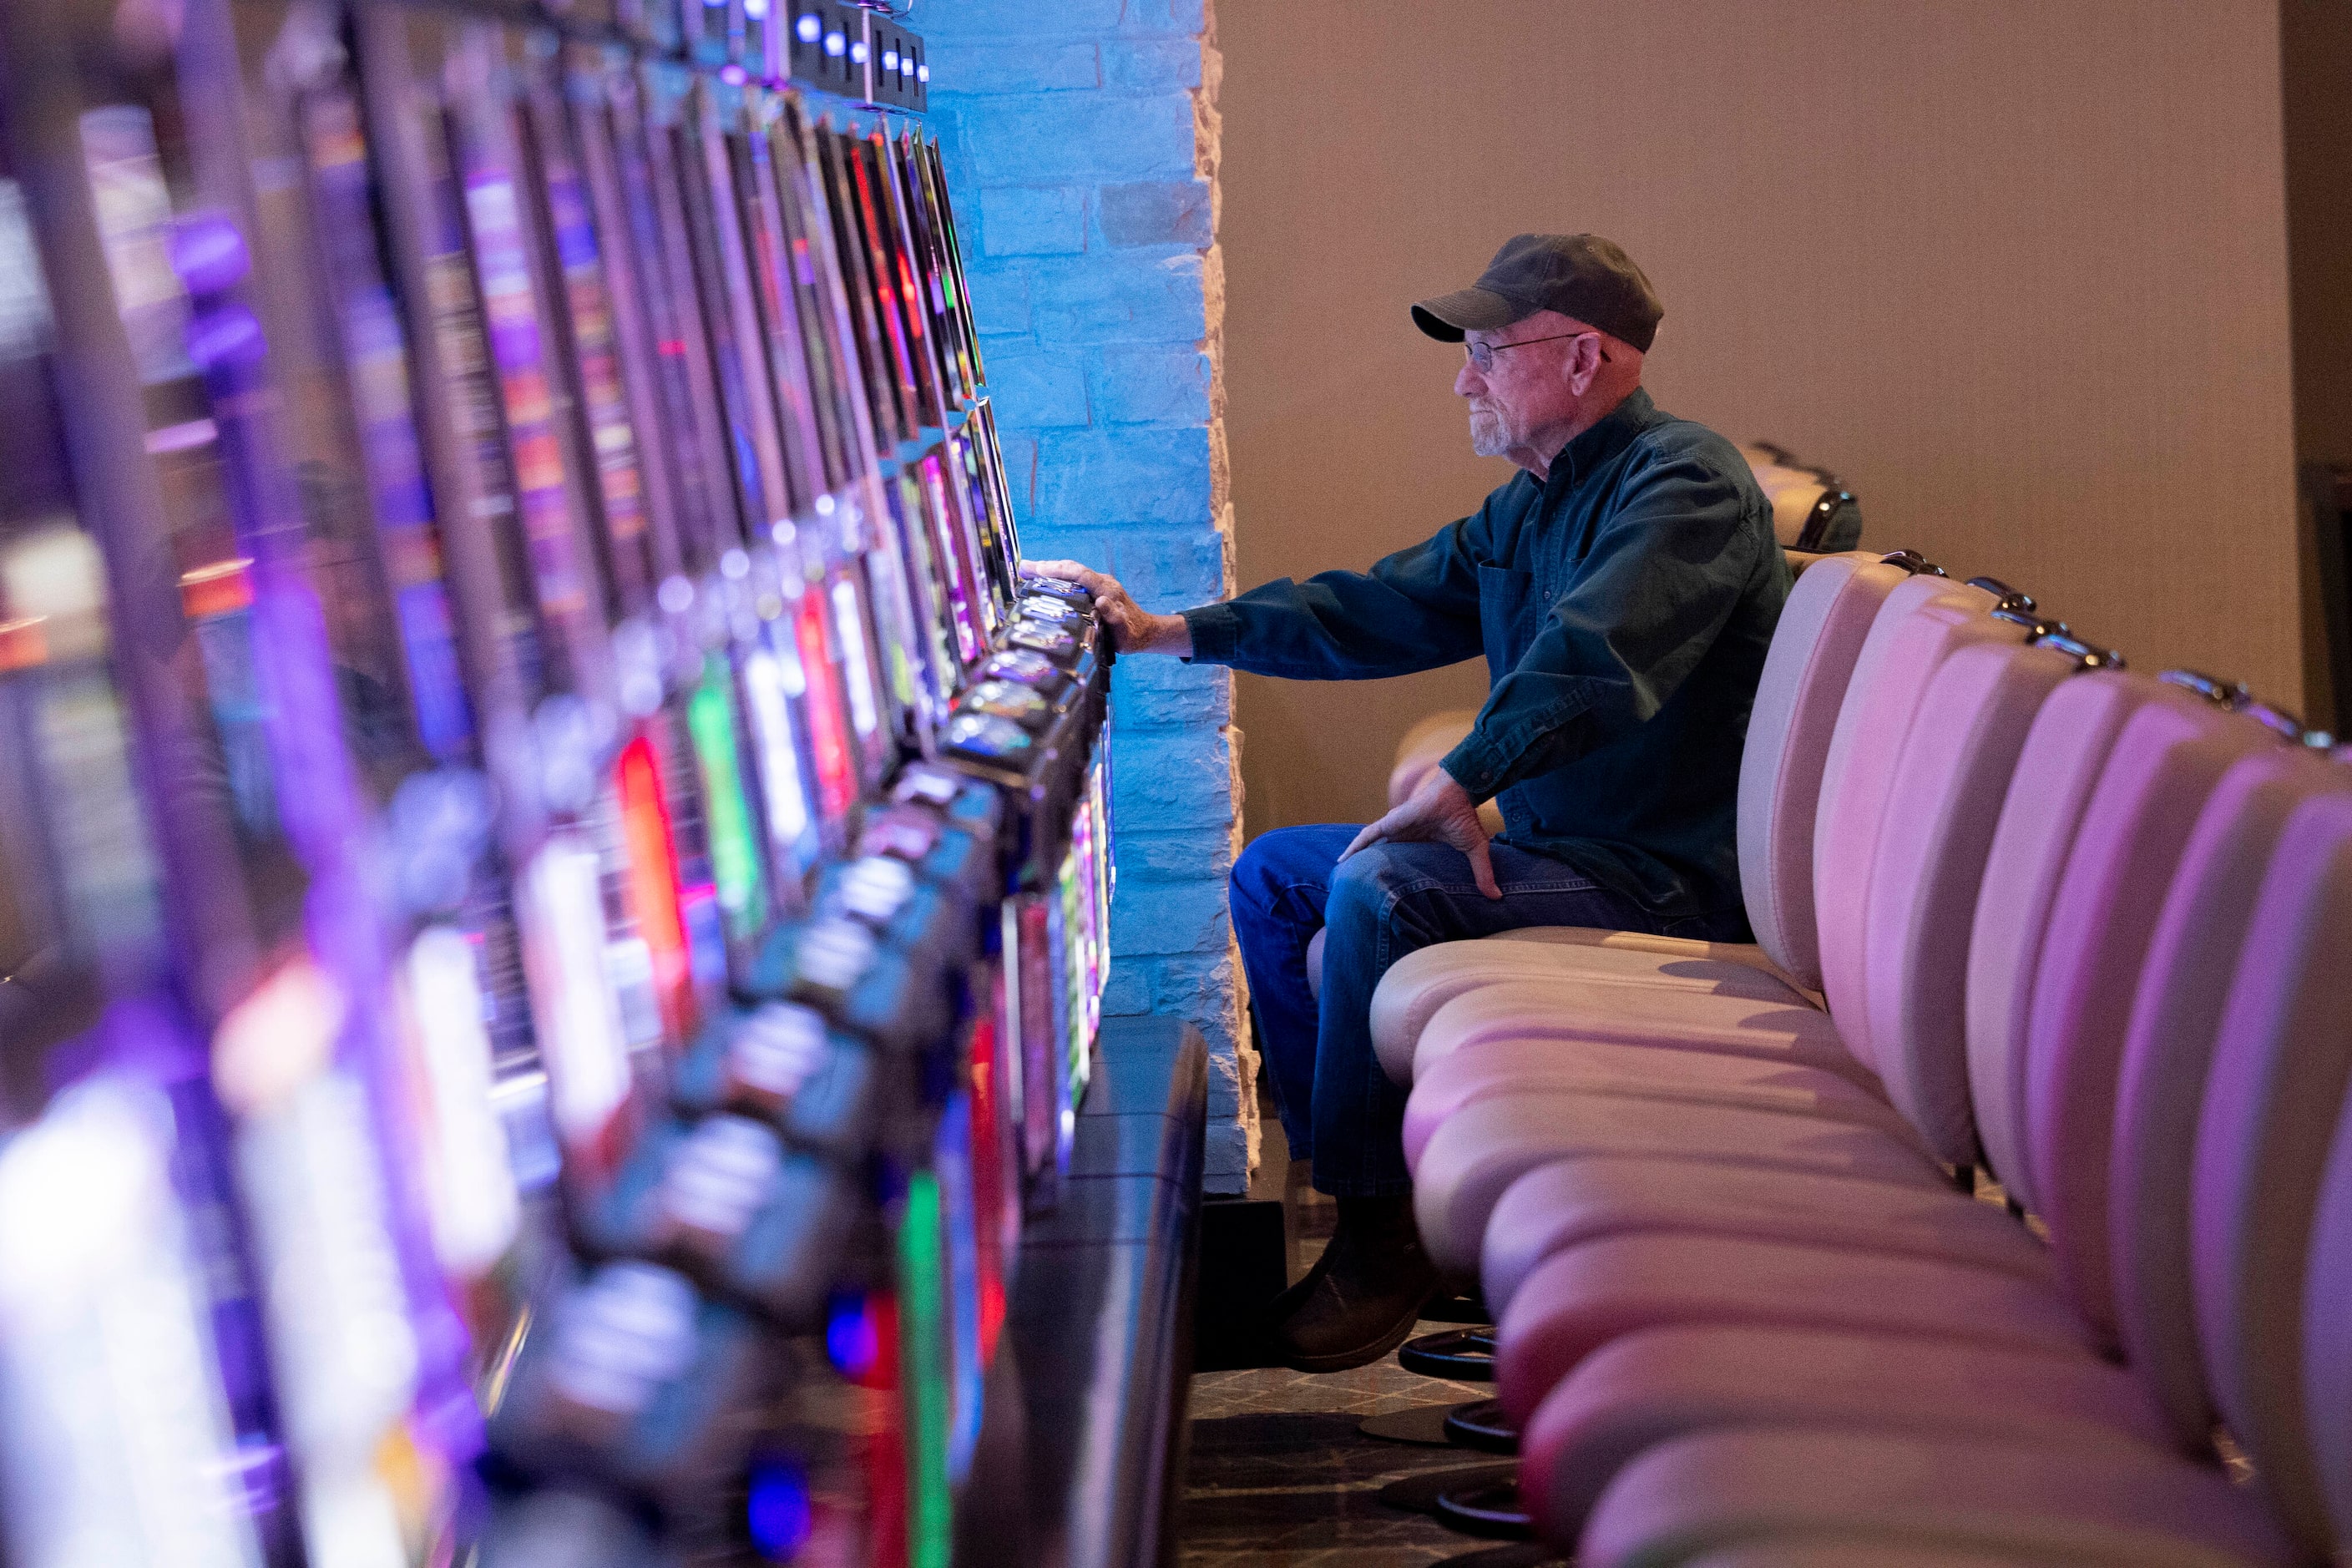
point(1511, 607)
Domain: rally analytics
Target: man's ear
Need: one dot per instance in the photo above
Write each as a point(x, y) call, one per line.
point(1583, 365)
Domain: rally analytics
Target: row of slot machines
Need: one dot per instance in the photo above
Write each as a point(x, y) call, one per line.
point(554, 869)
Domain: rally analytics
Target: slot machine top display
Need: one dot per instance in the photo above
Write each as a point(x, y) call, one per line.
point(863, 54)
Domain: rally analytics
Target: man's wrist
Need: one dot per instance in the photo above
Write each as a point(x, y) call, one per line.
point(1171, 635)
point(1210, 632)
point(1455, 763)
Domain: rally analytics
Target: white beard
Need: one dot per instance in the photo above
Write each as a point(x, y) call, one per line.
point(1489, 437)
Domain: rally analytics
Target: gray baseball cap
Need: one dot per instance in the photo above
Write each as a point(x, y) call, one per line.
point(1579, 275)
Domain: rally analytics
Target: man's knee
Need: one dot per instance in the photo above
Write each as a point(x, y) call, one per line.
point(1362, 885)
point(1269, 865)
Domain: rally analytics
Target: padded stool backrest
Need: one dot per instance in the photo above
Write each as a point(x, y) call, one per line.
point(2055, 773)
point(1811, 509)
point(2161, 772)
point(2281, 1066)
point(1822, 627)
point(2167, 1055)
point(1903, 600)
point(2327, 1329)
point(1921, 902)
point(1880, 708)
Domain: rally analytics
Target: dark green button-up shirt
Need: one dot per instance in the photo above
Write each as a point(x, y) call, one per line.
point(1623, 605)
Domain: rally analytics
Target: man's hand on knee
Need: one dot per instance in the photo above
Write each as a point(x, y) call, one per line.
point(1440, 812)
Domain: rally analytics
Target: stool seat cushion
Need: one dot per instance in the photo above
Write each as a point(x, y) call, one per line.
point(1480, 1150)
point(1670, 1020)
point(1748, 954)
point(1683, 1498)
point(1579, 1299)
point(1421, 983)
point(1659, 1384)
point(1584, 1198)
point(1552, 1068)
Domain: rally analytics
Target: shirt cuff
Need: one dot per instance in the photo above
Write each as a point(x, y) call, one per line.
point(1477, 766)
point(1215, 629)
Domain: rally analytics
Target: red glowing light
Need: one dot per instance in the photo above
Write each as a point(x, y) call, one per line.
point(653, 884)
point(828, 726)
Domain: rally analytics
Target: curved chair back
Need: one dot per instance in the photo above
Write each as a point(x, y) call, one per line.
point(2168, 1058)
point(1823, 629)
point(1921, 897)
point(2327, 1330)
point(2265, 1139)
point(2167, 758)
point(2056, 772)
point(1889, 689)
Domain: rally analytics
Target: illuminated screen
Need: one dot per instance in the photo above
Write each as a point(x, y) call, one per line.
point(734, 849)
point(652, 883)
point(836, 768)
point(769, 688)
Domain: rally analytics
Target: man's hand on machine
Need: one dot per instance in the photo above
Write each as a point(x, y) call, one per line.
point(1133, 628)
point(1439, 812)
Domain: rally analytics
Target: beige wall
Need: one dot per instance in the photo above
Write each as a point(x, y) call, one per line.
point(2016, 267)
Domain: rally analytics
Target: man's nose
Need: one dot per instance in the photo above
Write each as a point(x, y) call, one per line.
point(1467, 382)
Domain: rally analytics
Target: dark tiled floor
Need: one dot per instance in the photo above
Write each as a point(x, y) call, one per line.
point(1279, 1475)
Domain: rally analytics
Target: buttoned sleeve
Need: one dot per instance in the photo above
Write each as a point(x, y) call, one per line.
point(1667, 569)
point(1414, 610)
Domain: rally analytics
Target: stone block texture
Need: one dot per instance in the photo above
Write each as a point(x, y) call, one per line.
point(1081, 140)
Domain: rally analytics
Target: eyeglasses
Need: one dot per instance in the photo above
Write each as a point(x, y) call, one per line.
point(1483, 355)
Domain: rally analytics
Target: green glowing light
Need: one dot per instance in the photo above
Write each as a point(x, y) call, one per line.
point(734, 858)
point(922, 1373)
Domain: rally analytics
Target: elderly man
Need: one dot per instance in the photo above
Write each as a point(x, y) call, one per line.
point(1622, 587)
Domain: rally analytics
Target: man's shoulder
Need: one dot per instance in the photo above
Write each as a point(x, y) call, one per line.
point(1672, 435)
point(1674, 443)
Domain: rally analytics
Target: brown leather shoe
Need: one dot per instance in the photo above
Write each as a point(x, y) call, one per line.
point(1367, 1291)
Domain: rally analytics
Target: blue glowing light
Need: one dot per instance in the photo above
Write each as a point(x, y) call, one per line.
point(850, 1340)
point(776, 1510)
point(755, 9)
point(922, 73)
point(807, 29)
point(857, 53)
point(890, 59)
point(835, 43)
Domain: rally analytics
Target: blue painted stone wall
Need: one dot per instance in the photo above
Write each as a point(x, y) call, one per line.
point(1081, 139)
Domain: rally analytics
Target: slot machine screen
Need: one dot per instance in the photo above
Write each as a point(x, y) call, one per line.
point(1076, 945)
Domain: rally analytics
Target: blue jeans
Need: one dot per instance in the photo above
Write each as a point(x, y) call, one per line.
point(1339, 1108)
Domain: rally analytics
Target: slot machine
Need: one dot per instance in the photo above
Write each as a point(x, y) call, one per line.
point(556, 616)
point(300, 1128)
point(132, 1352)
point(1031, 725)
